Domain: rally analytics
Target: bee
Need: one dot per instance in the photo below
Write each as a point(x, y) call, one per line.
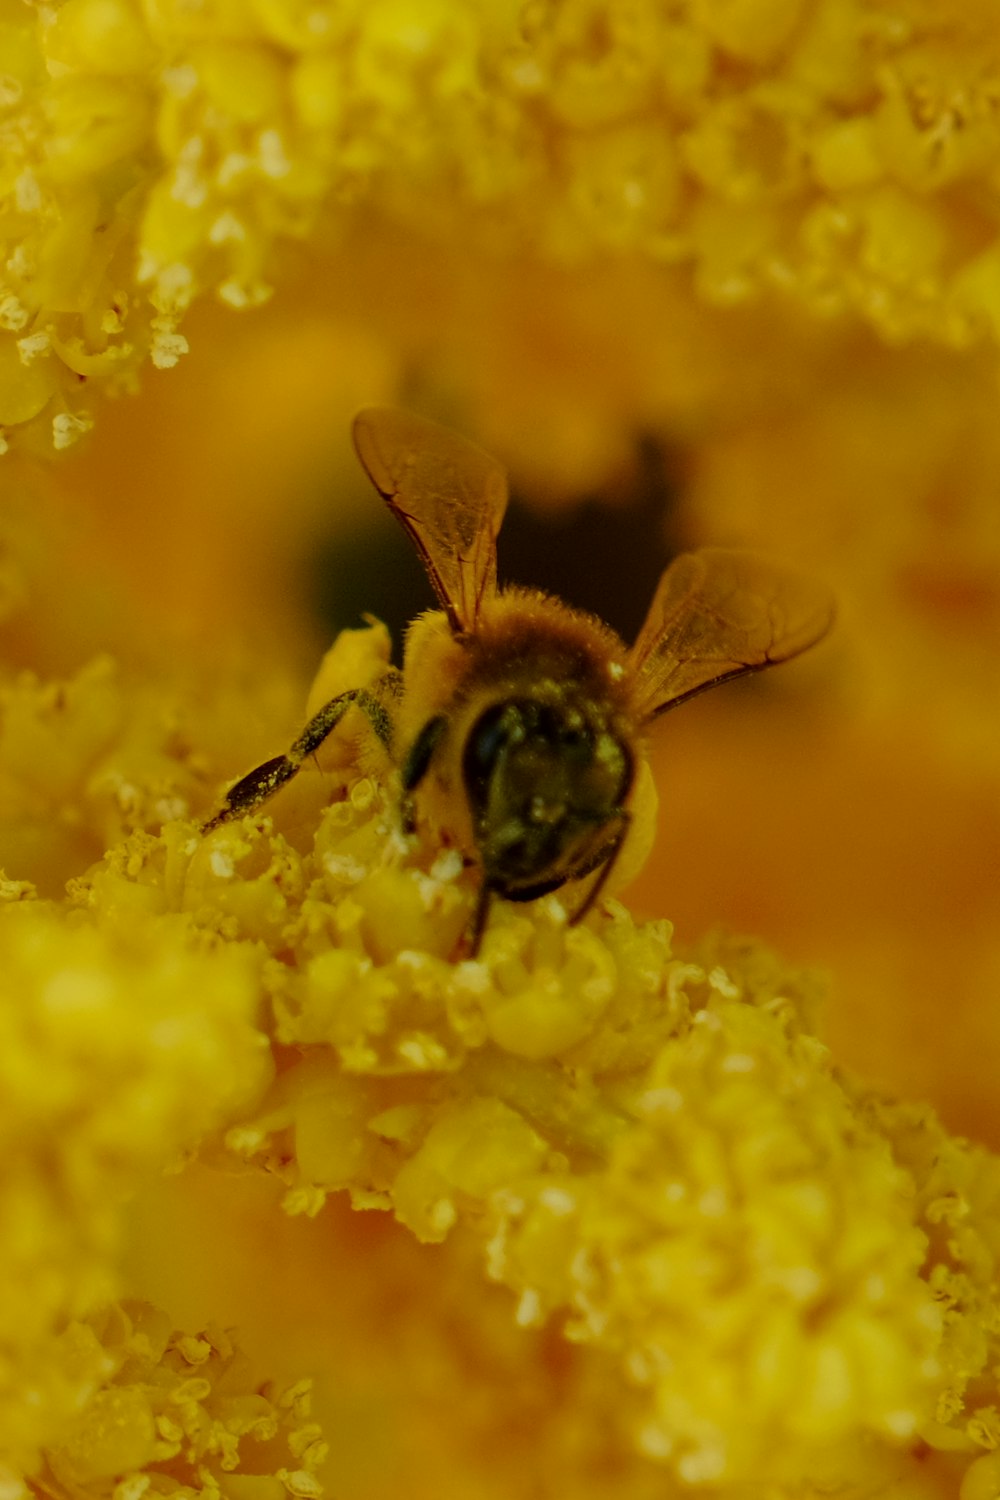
point(517, 722)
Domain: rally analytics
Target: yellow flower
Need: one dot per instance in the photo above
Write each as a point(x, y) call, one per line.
point(122, 1045)
point(784, 1277)
point(154, 153)
point(759, 232)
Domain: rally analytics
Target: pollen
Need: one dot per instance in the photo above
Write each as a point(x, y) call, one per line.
point(147, 1421)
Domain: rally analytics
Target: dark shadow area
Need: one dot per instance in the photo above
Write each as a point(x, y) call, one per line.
point(600, 554)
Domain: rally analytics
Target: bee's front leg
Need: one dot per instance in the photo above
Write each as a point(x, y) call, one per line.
point(477, 927)
point(416, 765)
point(261, 783)
point(604, 862)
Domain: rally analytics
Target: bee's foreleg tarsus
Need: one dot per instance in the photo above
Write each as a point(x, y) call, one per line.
point(604, 864)
point(261, 783)
point(253, 789)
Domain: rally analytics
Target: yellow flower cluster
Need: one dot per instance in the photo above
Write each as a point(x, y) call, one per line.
point(177, 1413)
point(787, 1278)
point(121, 1044)
point(154, 151)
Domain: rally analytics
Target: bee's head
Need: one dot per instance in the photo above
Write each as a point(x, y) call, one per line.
point(544, 777)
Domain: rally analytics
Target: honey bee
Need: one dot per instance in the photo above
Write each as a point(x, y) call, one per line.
point(517, 722)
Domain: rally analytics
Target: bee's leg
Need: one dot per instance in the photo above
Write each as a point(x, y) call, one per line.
point(253, 789)
point(417, 764)
point(262, 782)
point(606, 860)
point(478, 924)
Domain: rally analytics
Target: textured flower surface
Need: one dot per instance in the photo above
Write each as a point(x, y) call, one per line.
point(154, 152)
point(108, 1073)
point(177, 1413)
point(785, 1277)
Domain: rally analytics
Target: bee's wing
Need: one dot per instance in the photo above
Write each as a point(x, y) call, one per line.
point(717, 614)
point(449, 495)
